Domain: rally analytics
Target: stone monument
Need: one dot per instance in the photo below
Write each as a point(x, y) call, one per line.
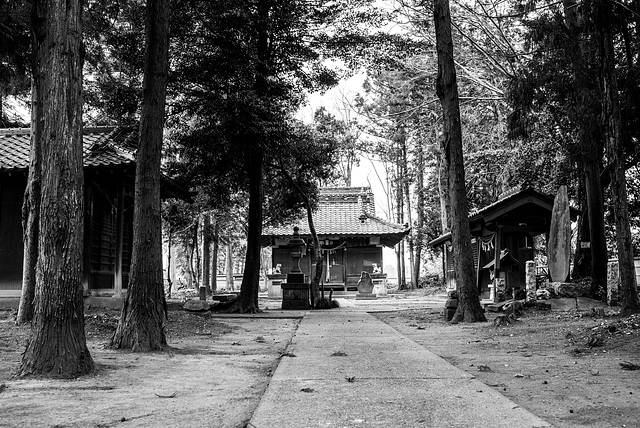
point(365, 287)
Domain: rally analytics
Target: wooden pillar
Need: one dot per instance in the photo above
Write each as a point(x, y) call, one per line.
point(496, 263)
point(478, 252)
point(117, 272)
point(88, 228)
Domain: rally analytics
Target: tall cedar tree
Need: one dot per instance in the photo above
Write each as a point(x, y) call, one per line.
point(141, 326)
point(244, 92)
point(57, 345)
point(611, 122)
point(469, 309)
point(254, 167)
point(591, 150)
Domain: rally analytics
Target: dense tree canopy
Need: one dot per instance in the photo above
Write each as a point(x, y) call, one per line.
point(549, 95)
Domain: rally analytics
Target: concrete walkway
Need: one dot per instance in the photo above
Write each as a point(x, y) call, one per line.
point(395, 382)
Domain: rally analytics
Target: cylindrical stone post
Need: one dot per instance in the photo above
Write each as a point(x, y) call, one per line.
point(530, 279)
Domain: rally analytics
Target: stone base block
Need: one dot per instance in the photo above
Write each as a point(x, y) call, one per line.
point(295, 296)
point(364, 296)
point(449, 313)
point(224, 297)
point(196, 306)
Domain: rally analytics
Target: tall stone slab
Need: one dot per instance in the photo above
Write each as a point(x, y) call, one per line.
point(559, 245)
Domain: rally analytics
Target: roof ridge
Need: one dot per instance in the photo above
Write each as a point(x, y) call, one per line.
point(388, 223)
point(85, 130)
point(15, 131)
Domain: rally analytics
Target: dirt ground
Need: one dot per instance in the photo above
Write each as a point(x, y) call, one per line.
point(563, 365)
point(214, 377)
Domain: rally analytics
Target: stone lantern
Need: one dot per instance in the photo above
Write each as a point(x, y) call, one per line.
point(295, 292)
point(297, 244)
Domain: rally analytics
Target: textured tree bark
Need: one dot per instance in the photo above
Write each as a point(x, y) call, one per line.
point(469, 309)
point(615, 155)
point(229, 266)
point(254, 153)
point(206, 253)
point(407, 198)
point(214, 255)
point(420, 220)
point(402, 280)
point(248, 300)
point(31, 204)
point(582, 265)
point(57, 344)
point(141, 325)
point(591, 157)
point(443, 192)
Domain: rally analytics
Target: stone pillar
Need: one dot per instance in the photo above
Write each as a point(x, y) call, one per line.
point(530, 279)
point(613, 283)
point(274, 285)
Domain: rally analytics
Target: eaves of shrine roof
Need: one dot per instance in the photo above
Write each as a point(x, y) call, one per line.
point(344, 212)
point(101, 146)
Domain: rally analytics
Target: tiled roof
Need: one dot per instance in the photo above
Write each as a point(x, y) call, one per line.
point(347, 212)
point(509, 200)
point(101, 146)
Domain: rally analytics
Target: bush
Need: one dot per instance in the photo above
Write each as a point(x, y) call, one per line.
point(326, 303)
point(432, 280)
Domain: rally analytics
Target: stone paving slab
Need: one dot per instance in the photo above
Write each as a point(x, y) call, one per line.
point(388, 403)
point(395, 382)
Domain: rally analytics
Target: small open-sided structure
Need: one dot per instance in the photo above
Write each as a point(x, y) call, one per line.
point(352, 238)
point(502, 240)
point(109, 176)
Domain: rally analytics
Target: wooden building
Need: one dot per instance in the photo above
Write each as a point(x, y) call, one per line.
point(502, 240)
point(352, 238)
point(109, 177)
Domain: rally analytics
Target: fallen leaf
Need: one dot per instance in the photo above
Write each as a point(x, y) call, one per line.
point(167, 396)
point(626, 365)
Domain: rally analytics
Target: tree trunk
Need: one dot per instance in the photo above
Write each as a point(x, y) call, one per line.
point(31, 204)
point(407, 199)
point(615, 155)
point(417, 242)
point(248, 300)
point(206, 253)
point(254, 155)
point(214, 256)
point(469, 309)
point(402, 281)
point(582, 264)
point(141, 325)
point(57, 344)
point(195, 257)
point(229, 267)
point(169, 248)
point(591, 155)
point(443, 192)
